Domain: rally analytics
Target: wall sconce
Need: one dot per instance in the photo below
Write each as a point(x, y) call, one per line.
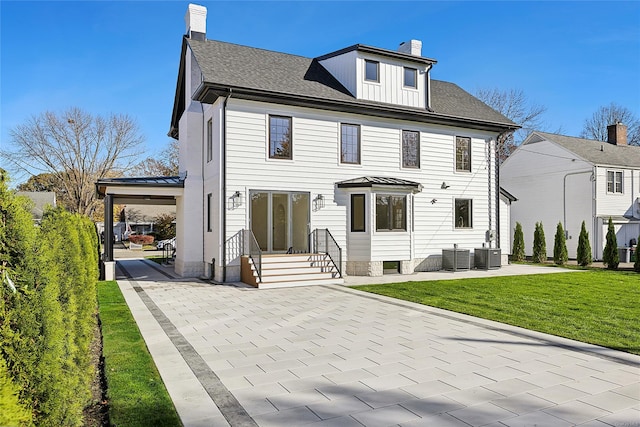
point(444, 185)
point(236, 199)
point(319, 202)
point(433, 201)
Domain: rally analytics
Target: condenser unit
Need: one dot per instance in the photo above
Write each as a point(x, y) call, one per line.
point(487, 258)
point(456, 259)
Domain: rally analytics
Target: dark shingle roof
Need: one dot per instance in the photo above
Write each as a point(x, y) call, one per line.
point(226, 65)
point(596, 152)
point(369, 181)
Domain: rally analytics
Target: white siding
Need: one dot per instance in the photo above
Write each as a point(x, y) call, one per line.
point(505, 226)
point(618, 204)
point(343, 68)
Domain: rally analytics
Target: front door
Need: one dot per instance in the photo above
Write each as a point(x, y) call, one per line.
point(280, 220)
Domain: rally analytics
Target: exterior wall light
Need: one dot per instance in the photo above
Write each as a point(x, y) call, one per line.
point(319, 202)
point(236, 199)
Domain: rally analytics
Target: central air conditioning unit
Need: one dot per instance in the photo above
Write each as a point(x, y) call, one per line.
point(456, 259)
point(487, 258)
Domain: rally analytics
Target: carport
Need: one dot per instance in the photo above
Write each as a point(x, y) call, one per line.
point(162, 190)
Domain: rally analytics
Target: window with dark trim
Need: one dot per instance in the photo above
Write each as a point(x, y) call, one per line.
point(371, 70)
point(209, 211)
point(391, 213)
point(358, 220)
point(410, 77)
point(463, 154)
point(614, 181)
point(350, 144)
point(463, 213)
point(209, 140)
point(280, 138)
point(410, 149)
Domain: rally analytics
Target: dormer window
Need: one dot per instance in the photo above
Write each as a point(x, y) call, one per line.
point(410, 77)
point(371, 70)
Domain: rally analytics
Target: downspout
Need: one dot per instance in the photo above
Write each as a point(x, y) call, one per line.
point(564, 199)
point(223, 198)
point(497, 195)
point(202, 161)
point(488, 154)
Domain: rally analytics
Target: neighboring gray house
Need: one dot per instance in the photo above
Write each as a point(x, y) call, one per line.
point(41, 200)
point(565, 179)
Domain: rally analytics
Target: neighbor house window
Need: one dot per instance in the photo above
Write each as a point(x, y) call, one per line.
point(350, 144)
point(209, 212)
point(357, 212)
point(391, 213)
point(410, 149)
point(209, 140)
point(371, 70)
point(280, 140)
point(463, 217)
point(463, 154)
point(614, 181)
point(410, 77)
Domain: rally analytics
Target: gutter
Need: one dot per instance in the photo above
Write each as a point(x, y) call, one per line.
point(223, 198)
point(497, 196)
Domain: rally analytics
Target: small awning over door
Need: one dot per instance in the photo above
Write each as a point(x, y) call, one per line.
point(381, 181)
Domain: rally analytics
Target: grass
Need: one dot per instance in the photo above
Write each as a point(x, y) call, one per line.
point(137, 396)
point(594, 306)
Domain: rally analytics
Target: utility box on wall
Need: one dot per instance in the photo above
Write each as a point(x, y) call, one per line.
point(487, 258)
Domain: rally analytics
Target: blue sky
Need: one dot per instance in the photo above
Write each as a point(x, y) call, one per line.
point(122, 57)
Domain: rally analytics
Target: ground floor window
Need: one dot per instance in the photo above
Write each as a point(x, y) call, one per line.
point(391, 213)
point(463, 213)
point(357, 213)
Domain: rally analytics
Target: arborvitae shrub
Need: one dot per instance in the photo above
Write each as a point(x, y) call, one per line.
point(539, 244)
point(518, 244)
point(12, 411)
point(610, 256)
point(560, 255)
point(584, 247)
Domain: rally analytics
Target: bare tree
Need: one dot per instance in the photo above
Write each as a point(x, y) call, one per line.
point(514, 105)
point(166, 165)
point(77, 148)
point(595, 127)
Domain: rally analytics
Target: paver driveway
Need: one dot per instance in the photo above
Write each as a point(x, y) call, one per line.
point(333, 356)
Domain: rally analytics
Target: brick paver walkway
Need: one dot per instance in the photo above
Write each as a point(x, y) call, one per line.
point(333, 356)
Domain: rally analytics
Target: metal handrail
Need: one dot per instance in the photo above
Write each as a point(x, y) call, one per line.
point(254, 252)
point(322, 238)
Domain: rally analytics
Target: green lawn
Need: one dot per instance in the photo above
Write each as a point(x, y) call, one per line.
point(594, 306)
point(137, 396)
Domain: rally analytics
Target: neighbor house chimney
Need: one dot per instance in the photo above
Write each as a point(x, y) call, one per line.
point(196, 20)
point(412, 47)
point(617, 134)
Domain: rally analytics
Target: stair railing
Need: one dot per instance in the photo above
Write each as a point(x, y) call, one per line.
point(253, 251)
point(321, 241)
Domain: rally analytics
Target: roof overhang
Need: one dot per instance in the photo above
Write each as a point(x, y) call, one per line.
point(382, 52)
point(381, 182)
point(142, 191)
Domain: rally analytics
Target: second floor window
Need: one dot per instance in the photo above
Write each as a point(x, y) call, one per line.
point(463, 154)
point(410, 77)
point(350, 144)
point(371, 69)
point(280, 140)
point(410, 149)
point(614, 181)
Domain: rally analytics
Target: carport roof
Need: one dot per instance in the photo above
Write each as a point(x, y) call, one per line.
point(149, 181)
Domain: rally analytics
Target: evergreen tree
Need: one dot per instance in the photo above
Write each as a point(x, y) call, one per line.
point(539, 244)
point(560, 255)
point(584, 247)
point(518, 244)
point(610, 256)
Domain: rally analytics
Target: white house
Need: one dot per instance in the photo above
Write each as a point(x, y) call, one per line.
point(357, 155)
point(569, 180)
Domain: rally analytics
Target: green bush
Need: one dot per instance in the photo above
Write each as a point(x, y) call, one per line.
point(610, 255)
point(584, 247)
point(560, 255)
point(636, 264)
point(518, 244)
point(12, 411)
point(539, 244)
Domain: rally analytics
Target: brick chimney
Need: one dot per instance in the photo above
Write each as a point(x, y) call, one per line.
point(412, 47)
point(617, 134)
point(196, 21)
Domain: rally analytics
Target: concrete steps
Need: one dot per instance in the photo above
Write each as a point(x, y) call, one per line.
point(285, 270)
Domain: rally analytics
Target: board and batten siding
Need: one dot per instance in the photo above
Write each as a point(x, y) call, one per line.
point(315, 168)
point(390, 86)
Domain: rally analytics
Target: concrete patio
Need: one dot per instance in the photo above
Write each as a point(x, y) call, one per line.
point(334, 356)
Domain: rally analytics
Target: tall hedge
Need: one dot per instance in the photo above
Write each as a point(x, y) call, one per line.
point(610, 256)
point(539, 244)
point(518, 244)
point(560, 254)
point(48, 315)
point(584, 257)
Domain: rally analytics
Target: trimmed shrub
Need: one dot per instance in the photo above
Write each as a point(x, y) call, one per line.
point(610, 255)
point(518, 244)
point(560, 255)
point(141, 239)
point(12, 411)
point(584, 257)
point(539, 244)
point(636, 263)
